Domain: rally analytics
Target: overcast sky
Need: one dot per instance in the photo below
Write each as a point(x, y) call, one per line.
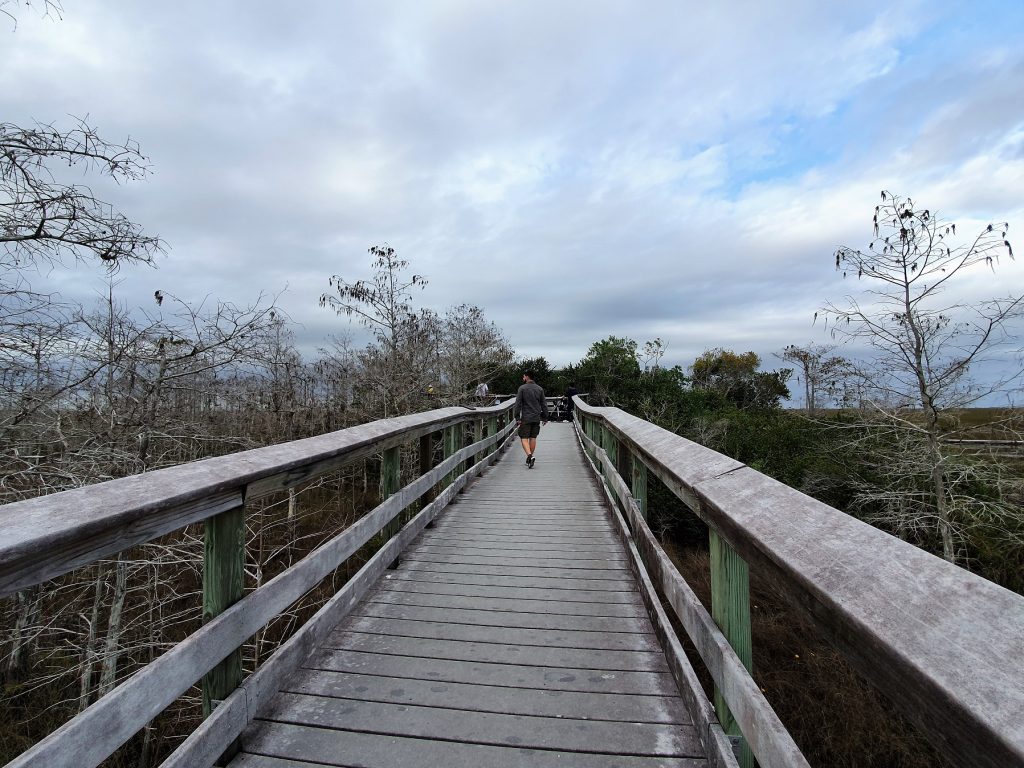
point(578, 169)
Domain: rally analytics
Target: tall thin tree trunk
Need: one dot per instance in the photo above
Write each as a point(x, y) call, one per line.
point(17, 661)
point(150, 413)
point(939, 488)
point(89, 648)
point(111, 647)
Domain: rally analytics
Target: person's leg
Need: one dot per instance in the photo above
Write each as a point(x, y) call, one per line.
point(524, 438)
point(534, 433)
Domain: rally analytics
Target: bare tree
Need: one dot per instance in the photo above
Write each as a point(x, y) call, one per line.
point(42, 219)
point(473, 349)
point(819, 372)
point(395, 365)
point(925, 349)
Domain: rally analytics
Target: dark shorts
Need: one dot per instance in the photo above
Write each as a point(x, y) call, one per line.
point(528, 429)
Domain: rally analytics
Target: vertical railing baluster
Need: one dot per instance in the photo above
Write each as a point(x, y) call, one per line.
point(730, 608)
point(223, 586)
point(639, 483)
point(451, 447)
point(427, 464)
point(478, 435)
point(390, 482)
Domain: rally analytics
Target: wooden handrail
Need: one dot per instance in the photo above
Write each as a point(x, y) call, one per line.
point(96, 733)
point(946, 646)
point(45, 537)
point(770, 740)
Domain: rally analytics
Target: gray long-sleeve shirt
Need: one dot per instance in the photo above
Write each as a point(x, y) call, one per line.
point(530, 403)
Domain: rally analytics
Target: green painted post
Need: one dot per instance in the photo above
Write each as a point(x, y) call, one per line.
point(451, 447)
point(611, 447)
point(478, 435)
point(492, 429)
point(624, 463)
point(639, 484)
point(390, 481)
point(223, 586)
point(730, 608)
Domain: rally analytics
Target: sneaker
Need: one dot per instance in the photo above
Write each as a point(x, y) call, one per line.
point(528, 457)
point(530, 461)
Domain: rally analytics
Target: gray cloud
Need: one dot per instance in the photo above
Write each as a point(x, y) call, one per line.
point(577, 170)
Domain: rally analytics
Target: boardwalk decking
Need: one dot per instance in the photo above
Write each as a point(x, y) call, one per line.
point(512, 634)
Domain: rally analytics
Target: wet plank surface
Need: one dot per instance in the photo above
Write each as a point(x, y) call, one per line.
point(511, 635)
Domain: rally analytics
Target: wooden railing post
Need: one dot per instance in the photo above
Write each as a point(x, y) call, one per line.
point(451, 447)
point(390, 482)
point(639, 484)
point(223, 586)
point(478, 435)
point(427, 464)
point(611, 447)
point(730, 608)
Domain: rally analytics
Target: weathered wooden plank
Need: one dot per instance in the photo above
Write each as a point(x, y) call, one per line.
point(502, 618)
point(504, 580)
point(515, 603)
point(345, 748)
point(521, 588)
point(513, 548)
point(520, 561)
point(468, 516)
point(508, 653)
point(549, 517)
point(579, 501)
point(508, 570)
point(510, 539)
point(522, 731)
point(529, 531)
point(562, 638)
point(489, 698)
point(497, 674)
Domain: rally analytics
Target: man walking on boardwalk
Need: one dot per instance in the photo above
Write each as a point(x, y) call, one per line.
point(530, 410)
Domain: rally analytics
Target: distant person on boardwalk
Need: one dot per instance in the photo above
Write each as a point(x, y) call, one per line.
point(570, 393)
point(481, 393)
point(530, 410)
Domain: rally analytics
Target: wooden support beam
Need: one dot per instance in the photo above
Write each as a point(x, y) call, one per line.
point(223, 586)
point(478, 435)
point(730, 608)
point(451, 445)
point(427, 464)
point(638, 486)
point(390, 482)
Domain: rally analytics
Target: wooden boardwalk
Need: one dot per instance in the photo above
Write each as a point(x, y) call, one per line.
point(512, 634)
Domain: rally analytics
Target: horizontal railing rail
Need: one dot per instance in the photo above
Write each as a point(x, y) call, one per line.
point(944, 645)
point(51, 535)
